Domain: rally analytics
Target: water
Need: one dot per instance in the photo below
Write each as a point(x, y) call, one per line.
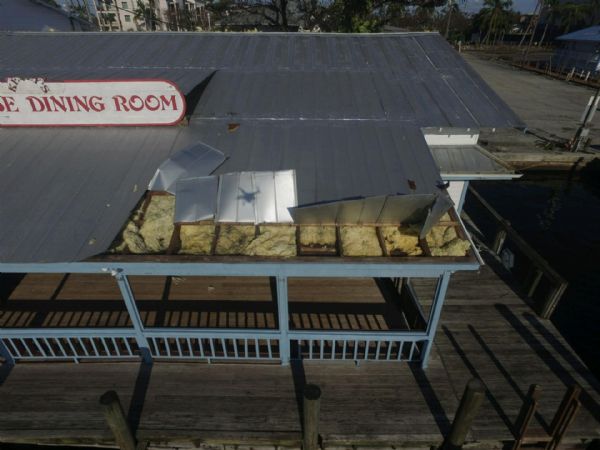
point(560, 216)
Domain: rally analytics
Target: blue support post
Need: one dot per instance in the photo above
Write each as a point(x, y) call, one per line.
point(134, 315)
point(434, 316)
point(283, 319)
point(6, 354)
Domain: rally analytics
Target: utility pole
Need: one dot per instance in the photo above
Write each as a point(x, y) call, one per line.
point(450, 8)
point(579, 141)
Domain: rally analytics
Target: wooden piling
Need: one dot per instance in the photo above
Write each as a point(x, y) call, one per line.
point(312, 403)
point(467, 410)
point(117, 422)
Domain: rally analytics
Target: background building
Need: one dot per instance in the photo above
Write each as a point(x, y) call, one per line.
point(151, 15)
point(579, 50)
point(30, 15)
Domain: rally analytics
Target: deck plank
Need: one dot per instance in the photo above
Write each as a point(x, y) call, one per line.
point(486, 330)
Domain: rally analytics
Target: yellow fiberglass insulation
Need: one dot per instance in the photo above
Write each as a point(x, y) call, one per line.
point(196, 239)
point(317, 235)
point(456, 247)
point(131, 240)
point(443, 241)
point(273, 241)
point(402, 241)
point(233, 239)
point(438, 236)
point(157, 227)
point(359, 241)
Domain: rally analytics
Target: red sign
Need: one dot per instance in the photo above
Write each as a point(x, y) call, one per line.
point(35, 102)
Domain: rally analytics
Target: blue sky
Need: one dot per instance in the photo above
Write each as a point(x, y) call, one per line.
point(523, 6)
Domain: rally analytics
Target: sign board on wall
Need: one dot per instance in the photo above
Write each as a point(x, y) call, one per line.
point(35, 102)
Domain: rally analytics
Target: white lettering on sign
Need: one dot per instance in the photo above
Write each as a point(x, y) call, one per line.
point(35, 102)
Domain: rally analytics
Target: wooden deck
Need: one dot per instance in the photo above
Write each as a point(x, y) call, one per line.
point(77, 300)
point(486, 331)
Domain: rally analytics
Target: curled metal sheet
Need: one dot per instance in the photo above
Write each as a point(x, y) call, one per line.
point(196, 199)
point(392, 209)
point(256, 197)
point(442, 204)
point(197, 160)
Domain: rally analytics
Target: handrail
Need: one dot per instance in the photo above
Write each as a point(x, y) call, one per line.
point(541, 267)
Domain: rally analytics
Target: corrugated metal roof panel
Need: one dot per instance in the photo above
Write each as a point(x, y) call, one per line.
point(65, 194)
point(468, 160)
point(587, 34)
point(269, 75)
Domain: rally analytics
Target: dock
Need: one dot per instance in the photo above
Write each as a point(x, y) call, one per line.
point(487, 330)
point(552, 110)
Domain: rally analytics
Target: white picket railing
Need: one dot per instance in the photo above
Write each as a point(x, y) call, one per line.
point(386, 346)
point(75, 344)
point(213, 344)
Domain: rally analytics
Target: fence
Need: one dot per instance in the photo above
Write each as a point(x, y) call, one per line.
point(61, 344)
point(212, 345)
point(357, 347)
point(542, 284)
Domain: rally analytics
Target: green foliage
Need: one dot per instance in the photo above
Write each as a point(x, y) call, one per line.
point(146, 12)
point(495, 18)
point(353, 16)
point(573, 15)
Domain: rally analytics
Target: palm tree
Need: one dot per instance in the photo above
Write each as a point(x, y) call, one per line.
point(495, 17)
point(571, 14)
point(551, 10)
point(451, 7)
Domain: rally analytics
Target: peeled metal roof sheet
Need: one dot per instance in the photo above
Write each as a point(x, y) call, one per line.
point(196, 199)
point(256, 197)
point(196, 160)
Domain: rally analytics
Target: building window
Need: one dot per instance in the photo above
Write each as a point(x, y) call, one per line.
point(124, 5)
point(127, 18)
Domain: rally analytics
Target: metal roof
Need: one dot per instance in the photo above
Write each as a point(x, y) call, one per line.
point(469, 162)
point(343, 111)
point(401, 76)
point(591, 34)
point(66, 193)
point(334, 160)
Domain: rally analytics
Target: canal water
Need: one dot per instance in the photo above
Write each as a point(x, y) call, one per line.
point(559, 215)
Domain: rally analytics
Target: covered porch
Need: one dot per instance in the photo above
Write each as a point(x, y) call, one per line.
point(240, 310)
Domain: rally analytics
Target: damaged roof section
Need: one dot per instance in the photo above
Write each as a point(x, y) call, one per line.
point(343, 112)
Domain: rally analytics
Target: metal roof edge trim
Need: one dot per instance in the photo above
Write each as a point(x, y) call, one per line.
point(219, 33)
point(479, 176)
point(325, 267)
